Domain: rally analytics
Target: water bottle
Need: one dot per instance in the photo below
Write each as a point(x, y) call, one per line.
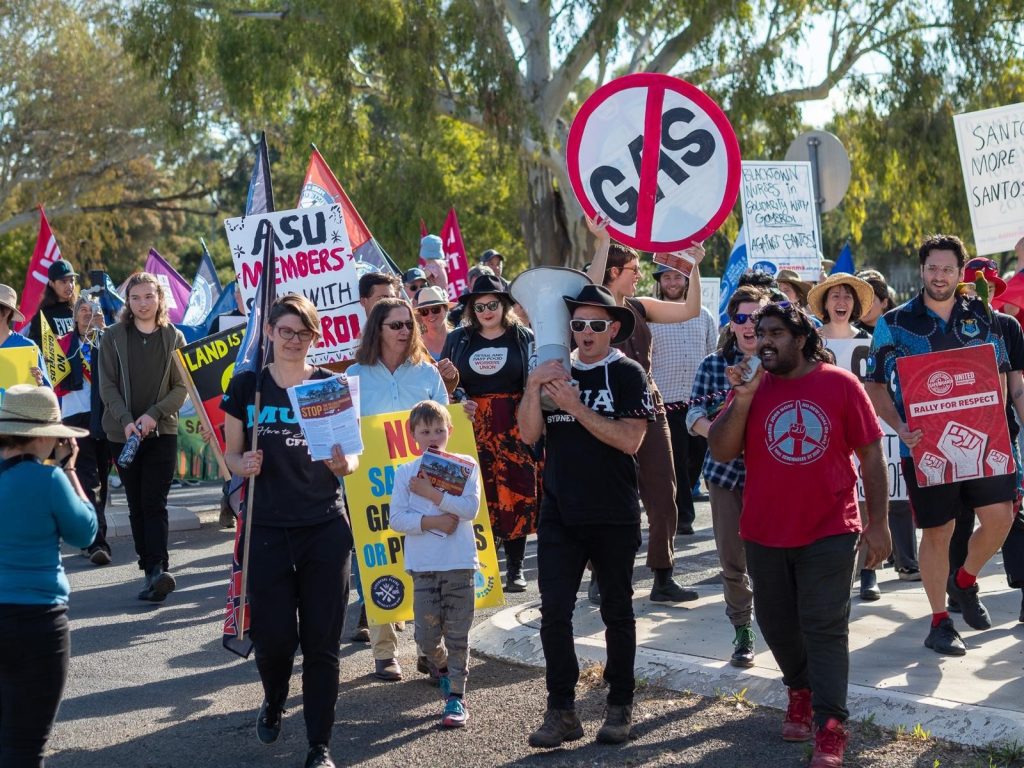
point(130, 449)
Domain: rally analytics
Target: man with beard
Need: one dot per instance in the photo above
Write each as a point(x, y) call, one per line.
point(806, 419)
point(936, 319)
point(677, 351)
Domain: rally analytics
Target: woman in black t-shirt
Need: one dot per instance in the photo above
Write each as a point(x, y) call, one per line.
point(301, 539)
point(491, 352)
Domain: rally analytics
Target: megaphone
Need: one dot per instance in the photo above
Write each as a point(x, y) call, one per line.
point(539, 291)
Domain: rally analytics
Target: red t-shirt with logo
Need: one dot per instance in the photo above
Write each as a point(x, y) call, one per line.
point(800, 438)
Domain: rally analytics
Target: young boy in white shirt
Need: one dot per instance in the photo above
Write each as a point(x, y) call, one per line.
point(440, 553)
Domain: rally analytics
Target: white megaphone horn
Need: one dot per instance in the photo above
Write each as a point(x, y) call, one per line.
point(539, 291)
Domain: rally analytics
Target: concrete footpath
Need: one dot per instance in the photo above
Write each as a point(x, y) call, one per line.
point(894, 680)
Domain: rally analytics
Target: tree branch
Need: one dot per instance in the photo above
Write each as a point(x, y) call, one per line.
point(679, 45)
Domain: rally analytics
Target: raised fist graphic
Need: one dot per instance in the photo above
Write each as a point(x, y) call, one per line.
point(965, 449)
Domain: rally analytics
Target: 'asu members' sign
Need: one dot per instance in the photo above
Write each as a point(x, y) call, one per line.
point(658, 157)
point(777, 204)
point(955, 398)
point(387, 588)
point(314, 258)
point(991, 146)
point(210, 363)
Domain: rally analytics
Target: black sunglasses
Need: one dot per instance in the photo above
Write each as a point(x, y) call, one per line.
point(488, 306)
point(424, 311)
point(597, 326)
point(397, 325)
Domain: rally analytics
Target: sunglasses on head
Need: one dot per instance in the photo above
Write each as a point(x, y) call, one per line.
point(597, 326)
point(424, 311)
point(397, 325)
point(488, 306)
point(982, 264)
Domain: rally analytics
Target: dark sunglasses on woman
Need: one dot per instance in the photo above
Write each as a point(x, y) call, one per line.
point(397, 325)
point(425, 311)
point(488, 306)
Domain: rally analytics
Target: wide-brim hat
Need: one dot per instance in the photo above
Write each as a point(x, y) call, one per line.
point(861, 289)
point(599, 296)
point(483, 285)
point(9, 298)
point(430, 296)
point(974, 266)
point(29, 411)
point(800, 286)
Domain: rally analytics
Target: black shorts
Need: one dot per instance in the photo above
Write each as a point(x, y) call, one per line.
point(936, 505)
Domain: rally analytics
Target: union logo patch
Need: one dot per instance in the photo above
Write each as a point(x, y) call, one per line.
point(797, 432)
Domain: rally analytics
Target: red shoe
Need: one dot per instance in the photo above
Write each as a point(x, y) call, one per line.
point(797, 725)
point(829, 745)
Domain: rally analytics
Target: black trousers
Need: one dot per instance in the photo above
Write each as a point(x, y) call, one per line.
point(688, 453)
point(802, 604)
point(298, 590)
point(562, 554)
point(93, 470)
point(147, 481)
point(34, 652)
point(1013, 546)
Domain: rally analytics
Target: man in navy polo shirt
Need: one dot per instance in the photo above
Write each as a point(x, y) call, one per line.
point(937, 319)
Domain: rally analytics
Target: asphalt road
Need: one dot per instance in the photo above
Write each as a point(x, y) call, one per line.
point(150, 686)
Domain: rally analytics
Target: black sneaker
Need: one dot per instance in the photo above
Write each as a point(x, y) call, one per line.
point(268, 723)
point(971, 608)
point(319, 756)
point(952, 605)
point(515, 581)
point(945, 639)
point(743, 656)
point(161, 584)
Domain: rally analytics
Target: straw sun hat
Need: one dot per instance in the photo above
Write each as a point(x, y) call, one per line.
point(861, 289)
point(29, 411)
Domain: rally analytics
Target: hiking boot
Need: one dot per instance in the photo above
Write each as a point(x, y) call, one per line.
point(387, 669)
point(743, 656)
point(559, 725)
point(319, 756)
point(161, 584)
point(797, 725)
point(455, 714)
point(869, 586)
point(666, 590)
point(514, 579)
point(99, 556)
point(362, 633)
point(945, 639)
point(268, 723)
point(617, 723)
point(971, 609)
point(829, 745)
point(594, 592)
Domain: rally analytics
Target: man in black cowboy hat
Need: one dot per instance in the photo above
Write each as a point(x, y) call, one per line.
point(591, 507)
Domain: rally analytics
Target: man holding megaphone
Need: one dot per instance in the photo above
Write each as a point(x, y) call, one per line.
point(590, 509)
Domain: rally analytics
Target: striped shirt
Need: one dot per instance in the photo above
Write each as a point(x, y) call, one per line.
point(678, 350)
point(710, 390)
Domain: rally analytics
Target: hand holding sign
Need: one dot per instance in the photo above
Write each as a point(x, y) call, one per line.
point(657, 157)
point(964, 447)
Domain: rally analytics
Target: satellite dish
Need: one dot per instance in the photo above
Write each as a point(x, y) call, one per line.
point(830, 165)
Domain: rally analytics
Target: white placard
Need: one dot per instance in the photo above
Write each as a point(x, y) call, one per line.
point(852, 355)
point(314, 258)
point(710, 294)
point(991, 146)
point(777, 204)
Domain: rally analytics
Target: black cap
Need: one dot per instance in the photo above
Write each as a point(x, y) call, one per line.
point(60, 269)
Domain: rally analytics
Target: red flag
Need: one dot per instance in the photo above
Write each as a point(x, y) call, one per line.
point(46, 252)
point(322, 188)
point(423, 229)
point(455, 253)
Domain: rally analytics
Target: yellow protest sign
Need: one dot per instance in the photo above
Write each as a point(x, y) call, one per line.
point(387, 588)
point(56, 362)
point(15, 367)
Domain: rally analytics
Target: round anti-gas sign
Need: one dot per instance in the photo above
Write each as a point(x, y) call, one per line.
point(658, 157)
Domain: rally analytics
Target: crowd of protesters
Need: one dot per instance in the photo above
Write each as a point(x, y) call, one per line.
point(657, 400)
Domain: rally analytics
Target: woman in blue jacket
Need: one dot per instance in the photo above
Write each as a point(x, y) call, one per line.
point(42, 506)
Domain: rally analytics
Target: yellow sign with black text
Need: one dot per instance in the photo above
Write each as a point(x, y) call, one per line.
point(387, 588)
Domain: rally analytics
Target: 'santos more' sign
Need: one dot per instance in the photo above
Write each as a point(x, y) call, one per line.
point(658, 157)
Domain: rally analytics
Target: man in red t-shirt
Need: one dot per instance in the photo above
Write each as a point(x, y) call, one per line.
point(807, 418)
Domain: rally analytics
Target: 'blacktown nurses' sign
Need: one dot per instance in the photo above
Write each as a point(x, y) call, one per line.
point(658, 157)
point(314, 258)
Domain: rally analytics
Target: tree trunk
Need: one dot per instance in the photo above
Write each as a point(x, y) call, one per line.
point(553, 222)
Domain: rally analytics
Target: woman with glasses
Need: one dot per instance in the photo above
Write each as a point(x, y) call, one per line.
point(395, 372)
point(490, 350)
point(301, 539)
point(620, 275)
point(839, 302)
point(431, 304)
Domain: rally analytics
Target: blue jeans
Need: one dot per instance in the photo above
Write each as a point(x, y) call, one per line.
point(802, 604)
